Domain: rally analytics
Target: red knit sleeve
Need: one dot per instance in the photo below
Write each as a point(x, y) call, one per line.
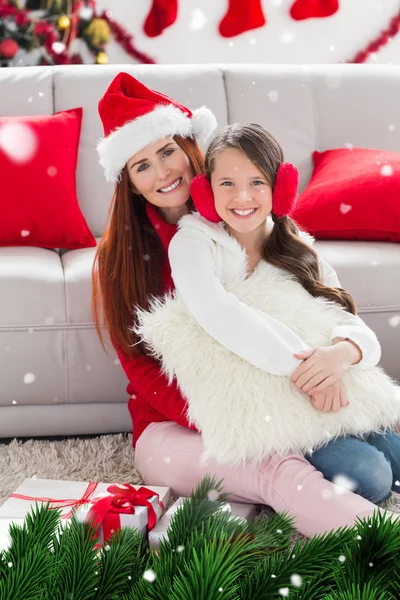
point(151, 385)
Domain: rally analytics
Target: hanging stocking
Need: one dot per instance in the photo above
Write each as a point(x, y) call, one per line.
point(242, 15)
point(162, 14)
point(308, 9)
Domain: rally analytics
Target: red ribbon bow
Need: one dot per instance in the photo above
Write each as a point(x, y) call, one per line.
point(123, 499)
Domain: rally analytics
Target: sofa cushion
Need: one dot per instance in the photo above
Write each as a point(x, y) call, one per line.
point(39, 206)
point(353, 194)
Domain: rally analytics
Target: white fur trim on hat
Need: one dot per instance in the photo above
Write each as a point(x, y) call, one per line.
point(203, 123)
point(164, 121)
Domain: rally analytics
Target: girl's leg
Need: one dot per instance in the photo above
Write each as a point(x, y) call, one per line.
point(389, 445)
point(364, 465)
point(169, 455)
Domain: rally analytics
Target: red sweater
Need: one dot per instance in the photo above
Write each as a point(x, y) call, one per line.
point(152, 399)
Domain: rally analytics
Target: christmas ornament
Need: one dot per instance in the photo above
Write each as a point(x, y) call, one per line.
point(242, 16)
point(308, 9)
point(162, 14)
point(98, 31)
point(8, 48)
point(102, 58)
point(63, 22)
point(383, 38)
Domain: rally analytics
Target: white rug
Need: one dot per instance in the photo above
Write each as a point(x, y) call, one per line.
point(107, 458)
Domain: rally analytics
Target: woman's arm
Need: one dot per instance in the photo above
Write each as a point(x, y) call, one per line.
point(151, 384)
point(247, 332)
point(352, 327)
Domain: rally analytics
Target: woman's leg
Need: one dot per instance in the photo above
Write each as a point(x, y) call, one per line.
point(389, 445)
point(169, 455)
point(368, 471)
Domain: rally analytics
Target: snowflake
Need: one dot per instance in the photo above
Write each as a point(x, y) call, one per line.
point(117, 361)
point(287, 37)
point(180, 549)
point(149, 575)
point(167, 459)
point(107, 548)
point(299, 487)
point(29, 378)
point(18, 141)
point(332, 48)
point(273, 576)
point(198, 20)
point(296, 580)
point(52, 171)
point(279, 531)
point(375, 263)
point(253, 41)
point(268, 418)
point(370, 564)
point(49, 320)
point(345, 208)
point(25, 233)
point(41, 94)
point(342, 558)
point(344, 484)
point(387, 170)
point(273, 95)
point(284, 591)
point(146, 257)
point(392, 127)
point(359, 537)
point(9, 564)
point(231, 44)
point(213, 495)
point(14, 402)
point(88, 368)
point(58, 47)
point(30, 99)
point(326, 494)
point(220, 589)
point(349, 146)
point(394, 322)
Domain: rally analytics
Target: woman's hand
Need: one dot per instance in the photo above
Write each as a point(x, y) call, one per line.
point(323, 367)
point(330, 400)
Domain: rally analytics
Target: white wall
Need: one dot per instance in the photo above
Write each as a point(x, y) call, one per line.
point(282, 40)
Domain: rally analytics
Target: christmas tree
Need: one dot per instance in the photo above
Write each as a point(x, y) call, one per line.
point(208, 555)
point(47, 32)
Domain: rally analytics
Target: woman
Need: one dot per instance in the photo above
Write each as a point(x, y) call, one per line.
point(149, 150)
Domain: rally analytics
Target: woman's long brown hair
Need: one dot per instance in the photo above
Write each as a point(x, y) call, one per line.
point(128, 264)
point(283, 247)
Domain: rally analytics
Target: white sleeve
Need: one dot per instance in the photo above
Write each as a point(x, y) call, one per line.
point(249, 333)
point(352, 327)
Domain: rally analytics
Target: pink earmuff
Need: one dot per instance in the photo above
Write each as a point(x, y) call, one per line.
point(283, 198)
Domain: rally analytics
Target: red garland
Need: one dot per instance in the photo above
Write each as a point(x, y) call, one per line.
point(384, 38)
point(125, 39)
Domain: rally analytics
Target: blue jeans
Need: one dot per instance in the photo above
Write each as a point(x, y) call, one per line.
point(372, 463)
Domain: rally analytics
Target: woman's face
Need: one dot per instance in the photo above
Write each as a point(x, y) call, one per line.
point(162, 174)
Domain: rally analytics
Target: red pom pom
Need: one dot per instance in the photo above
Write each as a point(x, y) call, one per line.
point(203, 198)
point(8, 48)
point(285, 190)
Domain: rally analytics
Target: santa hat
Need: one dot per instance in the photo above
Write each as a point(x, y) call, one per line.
point(135, 116)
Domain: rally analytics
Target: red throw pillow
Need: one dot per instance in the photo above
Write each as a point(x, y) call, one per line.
point(354, 194)
point(38, 201)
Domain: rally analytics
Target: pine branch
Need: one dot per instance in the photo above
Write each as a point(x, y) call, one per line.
point(73, 572)
point(122, 564)
point(316, 556)
point(357, 592)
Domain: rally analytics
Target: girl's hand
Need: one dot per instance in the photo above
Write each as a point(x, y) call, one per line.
point(330, 400)
point(323, 367)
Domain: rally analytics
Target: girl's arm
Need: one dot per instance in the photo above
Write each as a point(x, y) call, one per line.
point(247, 332)
point(352, 327)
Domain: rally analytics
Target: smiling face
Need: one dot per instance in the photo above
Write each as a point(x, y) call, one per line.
point(162, 173)
point(242, 193)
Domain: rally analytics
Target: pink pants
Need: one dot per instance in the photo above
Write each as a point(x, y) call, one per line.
point(169, 455)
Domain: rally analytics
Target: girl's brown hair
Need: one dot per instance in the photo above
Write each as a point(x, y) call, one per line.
point(283, 247)
point(128, 264)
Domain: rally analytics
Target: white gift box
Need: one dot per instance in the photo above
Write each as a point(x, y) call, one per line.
point(159, 532)
point(16, 509)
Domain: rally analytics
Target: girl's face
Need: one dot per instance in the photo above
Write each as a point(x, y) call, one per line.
point(243, 196)
point(162, 174)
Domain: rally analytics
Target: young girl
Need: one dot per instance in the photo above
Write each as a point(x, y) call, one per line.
point(258, 301)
